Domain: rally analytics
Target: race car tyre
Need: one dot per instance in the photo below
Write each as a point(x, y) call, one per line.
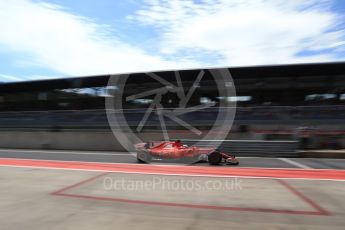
point(202, 158)
point(143, 157)
point(214, 158)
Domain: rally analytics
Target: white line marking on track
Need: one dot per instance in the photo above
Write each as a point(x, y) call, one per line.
point(294, 163)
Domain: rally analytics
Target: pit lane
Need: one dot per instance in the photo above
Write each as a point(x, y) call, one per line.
point(123, 157)
point(79, 198)
point(38, 198)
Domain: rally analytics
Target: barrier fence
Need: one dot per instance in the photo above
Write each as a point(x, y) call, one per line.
point(246, 148)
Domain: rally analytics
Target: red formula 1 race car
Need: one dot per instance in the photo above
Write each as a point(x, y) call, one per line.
point(175, 151)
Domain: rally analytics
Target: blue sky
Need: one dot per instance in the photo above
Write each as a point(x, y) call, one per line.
point(63, 38)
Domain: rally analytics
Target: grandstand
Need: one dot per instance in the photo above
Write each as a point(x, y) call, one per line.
point(271, 100)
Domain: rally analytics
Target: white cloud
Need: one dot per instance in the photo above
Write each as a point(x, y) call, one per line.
point(6, 77)
point(70, 44)
point(216, 32)
point(245, 32)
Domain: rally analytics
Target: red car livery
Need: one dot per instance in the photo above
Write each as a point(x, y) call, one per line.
point(174, 150)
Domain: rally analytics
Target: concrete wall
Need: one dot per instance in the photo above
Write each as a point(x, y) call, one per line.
point(59, 140)
point(84, 140)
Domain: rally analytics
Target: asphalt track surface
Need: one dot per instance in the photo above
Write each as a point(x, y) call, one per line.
point(124, 157)
point(47, 189)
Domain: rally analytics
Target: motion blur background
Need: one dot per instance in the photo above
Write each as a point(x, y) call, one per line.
point(266, 45)
point(301, 102)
